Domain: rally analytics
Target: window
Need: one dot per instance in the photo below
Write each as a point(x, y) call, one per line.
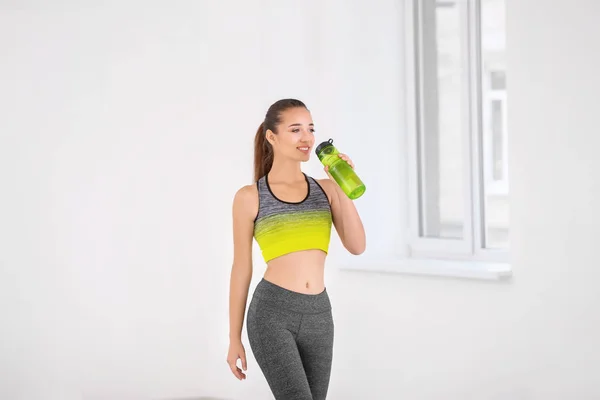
point(458, 159)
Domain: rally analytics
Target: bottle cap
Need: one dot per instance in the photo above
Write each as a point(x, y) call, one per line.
point(323, 145)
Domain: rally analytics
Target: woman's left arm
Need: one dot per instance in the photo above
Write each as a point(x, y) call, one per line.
point(346, 219)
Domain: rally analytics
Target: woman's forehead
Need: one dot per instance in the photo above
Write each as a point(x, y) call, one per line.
point(297, 115)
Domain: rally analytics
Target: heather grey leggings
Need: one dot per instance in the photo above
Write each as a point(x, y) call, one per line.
point(291, 336)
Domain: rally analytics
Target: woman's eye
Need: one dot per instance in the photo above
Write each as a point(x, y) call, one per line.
point(298, 130)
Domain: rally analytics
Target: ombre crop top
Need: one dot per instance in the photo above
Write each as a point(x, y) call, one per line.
point(282, 227)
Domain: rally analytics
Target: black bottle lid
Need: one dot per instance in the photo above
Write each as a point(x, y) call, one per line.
point(323, 145)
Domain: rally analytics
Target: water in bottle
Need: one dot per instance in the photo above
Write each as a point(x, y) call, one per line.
point(340, 170)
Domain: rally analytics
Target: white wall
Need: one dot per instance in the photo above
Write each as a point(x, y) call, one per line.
point(126, 129)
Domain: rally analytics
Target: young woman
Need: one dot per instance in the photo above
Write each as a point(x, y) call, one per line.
point(289, 321)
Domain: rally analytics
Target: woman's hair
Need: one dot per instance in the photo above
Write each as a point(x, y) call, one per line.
point(263, 151)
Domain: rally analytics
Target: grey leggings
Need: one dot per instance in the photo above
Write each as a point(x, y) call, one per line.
point(291, 336)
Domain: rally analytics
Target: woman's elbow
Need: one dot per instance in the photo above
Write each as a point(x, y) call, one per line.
point(356, 249)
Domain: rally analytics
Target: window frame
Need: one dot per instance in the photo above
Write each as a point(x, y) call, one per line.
point(471, 246)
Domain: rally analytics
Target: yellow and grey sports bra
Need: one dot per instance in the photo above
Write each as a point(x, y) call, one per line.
point(283, 227)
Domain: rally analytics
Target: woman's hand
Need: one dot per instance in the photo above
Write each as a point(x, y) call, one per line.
point(343, 157)
point(236, 350)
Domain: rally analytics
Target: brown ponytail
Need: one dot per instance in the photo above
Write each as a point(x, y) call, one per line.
point(263, 151)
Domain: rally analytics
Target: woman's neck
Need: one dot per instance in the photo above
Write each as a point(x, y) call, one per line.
point(285, 171)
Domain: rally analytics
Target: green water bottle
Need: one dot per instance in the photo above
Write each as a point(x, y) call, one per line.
point(340, 170)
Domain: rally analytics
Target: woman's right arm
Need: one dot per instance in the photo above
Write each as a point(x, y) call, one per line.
point(245, 207)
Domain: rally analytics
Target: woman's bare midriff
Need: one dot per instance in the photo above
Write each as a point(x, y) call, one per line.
point(301, 271)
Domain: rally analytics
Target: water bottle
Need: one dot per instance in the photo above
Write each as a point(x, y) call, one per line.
point(340, 170)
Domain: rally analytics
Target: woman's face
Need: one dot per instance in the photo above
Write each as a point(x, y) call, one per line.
point(295, 135)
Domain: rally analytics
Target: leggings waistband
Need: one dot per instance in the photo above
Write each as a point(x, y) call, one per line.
point(269, 292)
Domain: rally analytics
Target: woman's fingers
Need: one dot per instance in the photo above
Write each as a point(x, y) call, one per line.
point(240, 374)
point(243, 358)
point(347, 159)
point(236, 370)
point(233, 368)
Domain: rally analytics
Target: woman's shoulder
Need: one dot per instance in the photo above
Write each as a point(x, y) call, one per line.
point(324, 182)
point(326, 185)
point(246, 192)
point(246, 198)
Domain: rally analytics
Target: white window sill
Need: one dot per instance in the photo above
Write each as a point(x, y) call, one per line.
point(428, 267)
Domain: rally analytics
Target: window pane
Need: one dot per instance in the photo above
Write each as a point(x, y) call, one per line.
point(498, 139)
point(442, 127)
point(495, 189)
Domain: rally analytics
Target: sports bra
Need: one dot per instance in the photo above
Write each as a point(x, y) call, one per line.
point(283, 227)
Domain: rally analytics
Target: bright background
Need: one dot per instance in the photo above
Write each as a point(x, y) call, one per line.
point(126, 128)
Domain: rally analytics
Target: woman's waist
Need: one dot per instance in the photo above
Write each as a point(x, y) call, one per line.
point(272, 295)
point(301, 272)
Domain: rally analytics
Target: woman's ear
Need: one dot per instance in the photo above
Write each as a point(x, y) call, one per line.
point(270, 136)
